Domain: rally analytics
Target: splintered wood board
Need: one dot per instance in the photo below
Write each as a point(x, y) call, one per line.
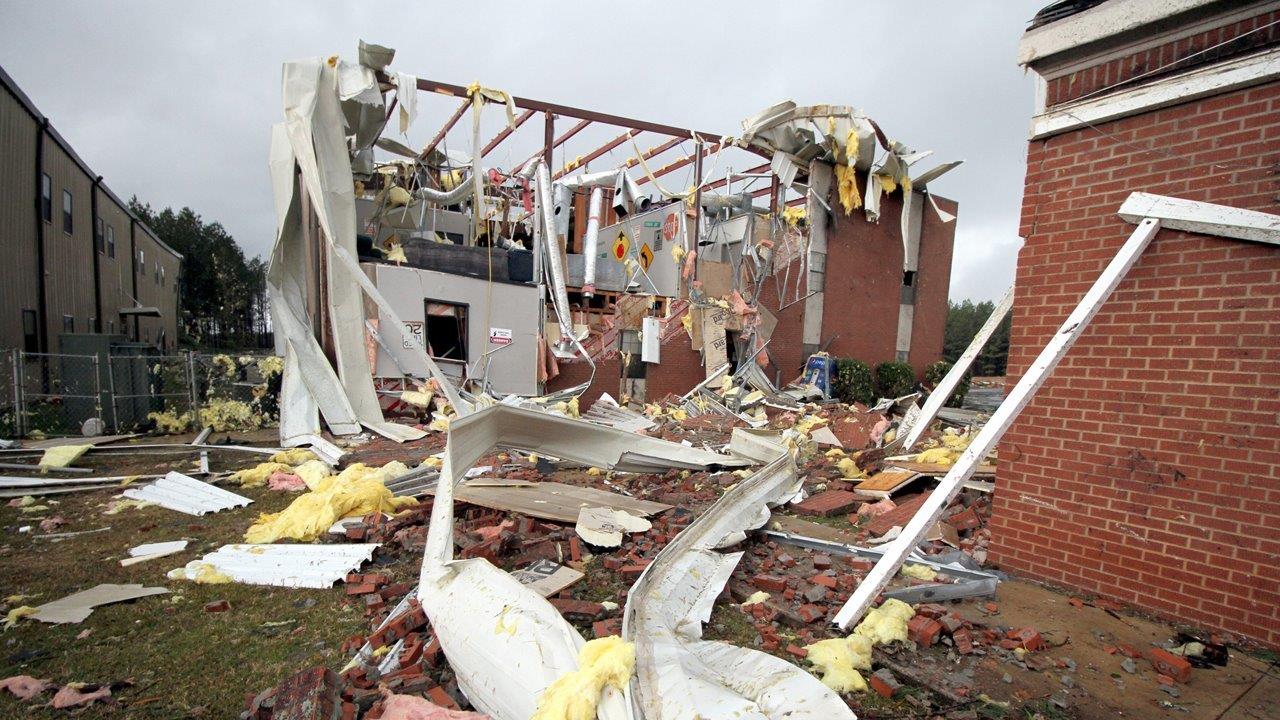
point(935, 469)
point(883, 484)
point(548, 500)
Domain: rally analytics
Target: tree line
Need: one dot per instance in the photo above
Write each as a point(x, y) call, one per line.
point(964, 319)
point(223, 294)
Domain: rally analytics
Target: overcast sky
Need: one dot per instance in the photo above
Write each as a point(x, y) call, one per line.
point(173, 101)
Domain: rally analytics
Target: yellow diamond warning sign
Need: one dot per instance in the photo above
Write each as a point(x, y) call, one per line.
point(621, 247)
point(646, 256)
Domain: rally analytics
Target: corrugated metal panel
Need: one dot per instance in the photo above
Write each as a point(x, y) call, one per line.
point(309, 566)
point(186, 494)
point(17, 218)
point(114, 270)
point(68, 257)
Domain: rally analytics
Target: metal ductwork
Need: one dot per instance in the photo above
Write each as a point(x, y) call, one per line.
point(554, 258)
point(591, 241)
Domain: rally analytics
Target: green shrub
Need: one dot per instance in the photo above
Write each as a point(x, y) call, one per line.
point(853, 382)
point(894, 379)
point(934, 374)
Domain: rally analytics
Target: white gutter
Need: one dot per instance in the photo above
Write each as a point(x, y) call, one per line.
point(554, 259)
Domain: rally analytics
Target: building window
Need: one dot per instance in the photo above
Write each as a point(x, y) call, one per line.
point(142, 261)
point(46, 197)
point(111, 326)
point(99, 237)
point(30, 336)
point(446, 330)
point(111, 242)
point(162, 276)
point(68, 324)
point(67, 225)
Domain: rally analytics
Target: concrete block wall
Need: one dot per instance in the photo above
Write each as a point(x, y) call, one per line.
point(1147, 470)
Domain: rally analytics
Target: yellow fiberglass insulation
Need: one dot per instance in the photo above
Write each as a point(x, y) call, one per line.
point(919, 572)
point(417, 399)
point(257, 476)
point(223, 415)
point(838, 661)
point(604, 661)
point(847, 184)
point(270, 366)
point(293, 456)
point(357, 491)
point(312, 472)
point(887, 623)
point(849, 469)
point(937, 456)
point(62, 455)
point(170, 423)
point(793, 216)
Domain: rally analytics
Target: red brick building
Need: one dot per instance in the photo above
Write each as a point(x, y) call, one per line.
point(1147, 470)
point(859, 315)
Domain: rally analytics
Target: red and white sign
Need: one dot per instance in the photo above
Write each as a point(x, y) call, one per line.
point(670, 227)
point(499, 336)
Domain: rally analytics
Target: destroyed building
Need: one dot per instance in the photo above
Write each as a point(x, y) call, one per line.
point(77, 260)
point(830, 242)
point(1146, 470)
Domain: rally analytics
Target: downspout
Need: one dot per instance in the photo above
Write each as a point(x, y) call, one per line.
point(555, 262)
point(94, 240)
point(133, 265)
point(591, 241)
point(42, 311)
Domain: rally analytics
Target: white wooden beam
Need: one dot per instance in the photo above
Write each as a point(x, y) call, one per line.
point(1039, 371)
point(1178, 88)
point(948, 384)
point(1202, 217)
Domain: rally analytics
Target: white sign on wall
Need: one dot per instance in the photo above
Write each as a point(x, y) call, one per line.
point(499, 336)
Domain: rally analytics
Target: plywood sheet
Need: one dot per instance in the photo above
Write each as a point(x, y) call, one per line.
point(885, 483)
point(987, 470)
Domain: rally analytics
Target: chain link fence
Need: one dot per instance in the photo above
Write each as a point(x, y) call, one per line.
point(43, 394)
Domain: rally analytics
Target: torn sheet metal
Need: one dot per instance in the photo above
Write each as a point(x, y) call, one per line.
point(75, 608)
point(607, 411)
point(762, 446)
point(546, 500)
point(283, 565)
point(505, 642)
point(948, 383)
point(313, 137)
point(987, 438)
point(679, 675)
point(185, 494)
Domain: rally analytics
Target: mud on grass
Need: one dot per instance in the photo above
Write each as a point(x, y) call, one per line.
point(183, 662)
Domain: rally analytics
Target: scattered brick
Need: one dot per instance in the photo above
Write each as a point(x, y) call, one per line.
point(1166, 663)
point(1027, 638)
point(923, 631)
point(797, 651)
point(770, 583)
point(217, 606)
point(828, 502)
point(810, 613)
point(826, 581)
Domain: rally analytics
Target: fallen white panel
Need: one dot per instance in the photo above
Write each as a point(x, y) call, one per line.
point(947, 385)
point(680, 675)
point(762, 446)
point(158, 547)
point(186, 494)
point(651, 340)
point(308, 566)
point(986, 439)
point(75, 608)
point(606, 411)
point(505, 642)
point(1202, 217)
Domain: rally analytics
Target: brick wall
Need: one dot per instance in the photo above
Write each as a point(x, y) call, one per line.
point(1148, 468)
point(1235, 39)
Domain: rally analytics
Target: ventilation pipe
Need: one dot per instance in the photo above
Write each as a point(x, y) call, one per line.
point(591, 242)
point(554, 258)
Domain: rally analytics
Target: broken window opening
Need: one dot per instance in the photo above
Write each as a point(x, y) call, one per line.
point(631, 345)
point(67, 225)
point(446, 330)
point(46, 197)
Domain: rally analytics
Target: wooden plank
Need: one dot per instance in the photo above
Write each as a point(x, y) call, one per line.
point(885, 483)
point(548, 500)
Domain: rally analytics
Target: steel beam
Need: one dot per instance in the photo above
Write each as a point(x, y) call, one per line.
point(696, 157)
point(577, 163)
point(448, 125)
point(506, 132)
point(548, 147)
point(568, 111)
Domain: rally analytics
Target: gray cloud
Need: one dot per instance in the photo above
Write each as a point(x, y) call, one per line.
point(173, 101)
